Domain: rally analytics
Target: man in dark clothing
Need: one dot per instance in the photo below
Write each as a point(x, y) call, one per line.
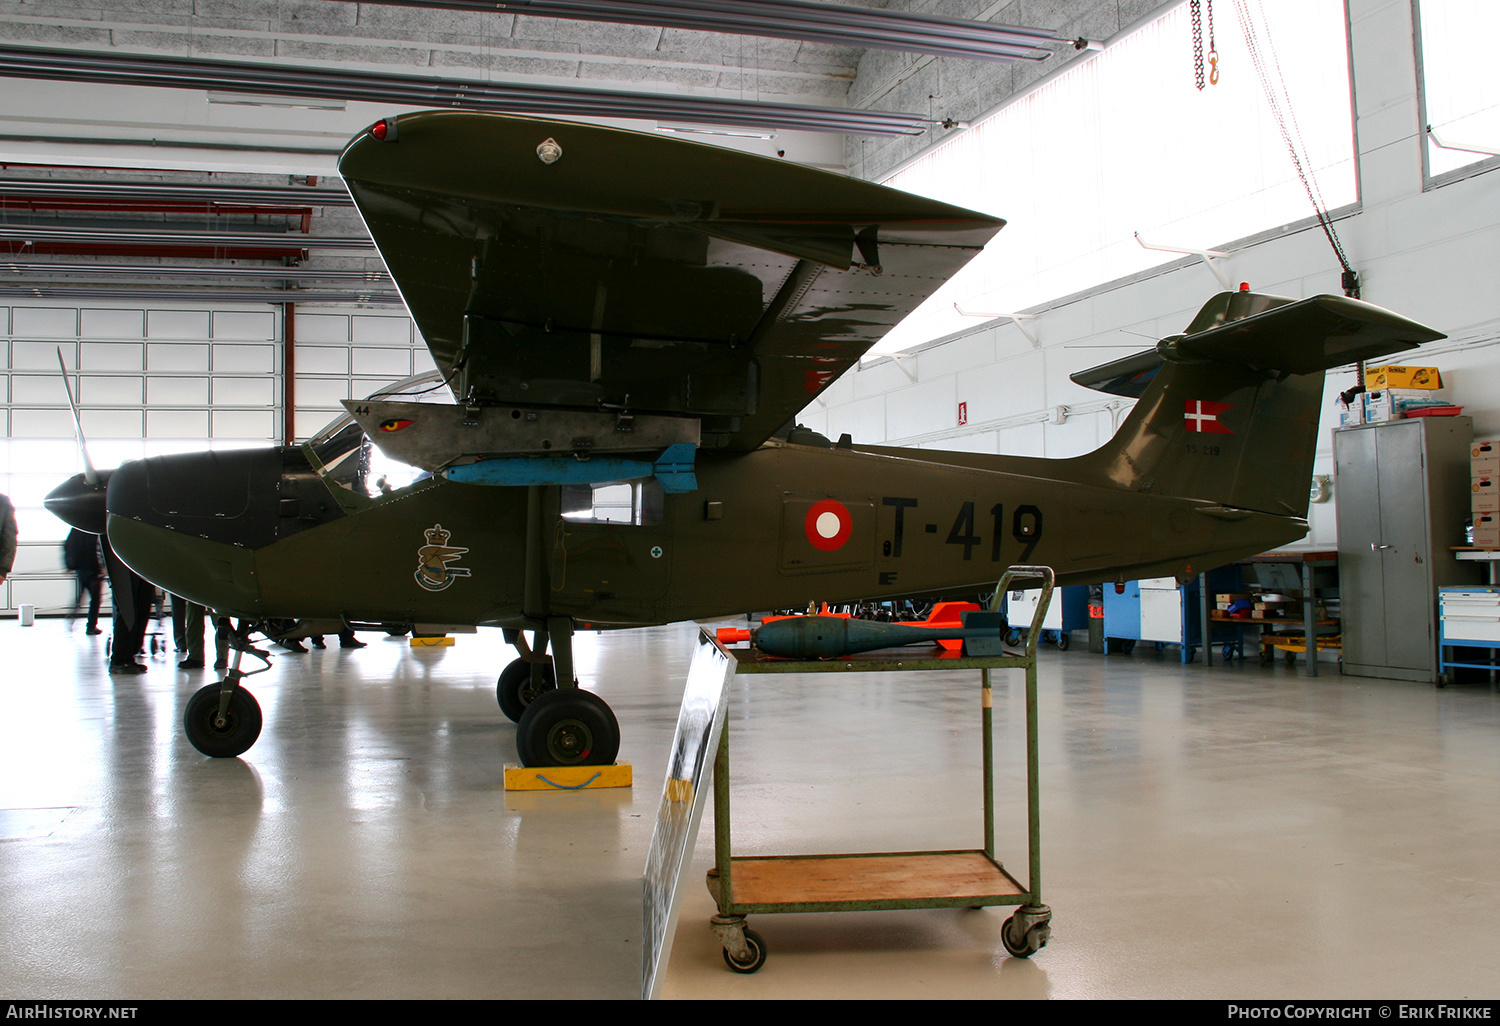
point(7, 537)
point(81, 555)
point(187, 632)
point(132, 596)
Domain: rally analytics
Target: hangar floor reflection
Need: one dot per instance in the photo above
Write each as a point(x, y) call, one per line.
point(1232, 832)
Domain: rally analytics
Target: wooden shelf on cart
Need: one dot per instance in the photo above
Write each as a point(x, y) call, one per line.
point(931, 878)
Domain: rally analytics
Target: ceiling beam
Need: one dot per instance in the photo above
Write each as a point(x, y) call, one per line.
point(441, 92)
point(789, 19)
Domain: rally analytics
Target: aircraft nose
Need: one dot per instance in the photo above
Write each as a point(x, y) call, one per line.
point(191, 523)
point(229, 496)
point(78, 503)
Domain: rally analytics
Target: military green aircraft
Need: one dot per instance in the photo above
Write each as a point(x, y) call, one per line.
point(623, 326)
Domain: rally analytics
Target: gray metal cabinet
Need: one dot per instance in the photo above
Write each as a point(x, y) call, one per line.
point(1403, 495)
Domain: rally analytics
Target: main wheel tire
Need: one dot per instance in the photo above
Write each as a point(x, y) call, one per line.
point(225, 740)
point(570, 727)
point(756, 959)
point(514, 690)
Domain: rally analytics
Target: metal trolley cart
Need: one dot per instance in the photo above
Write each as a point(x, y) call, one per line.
point(743, 885)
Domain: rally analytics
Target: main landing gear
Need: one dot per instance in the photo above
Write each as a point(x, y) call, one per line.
point(556, 725)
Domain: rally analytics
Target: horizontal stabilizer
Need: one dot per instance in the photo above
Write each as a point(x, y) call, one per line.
point(1262, 333)
point(1128, 376)
point(1315, 334)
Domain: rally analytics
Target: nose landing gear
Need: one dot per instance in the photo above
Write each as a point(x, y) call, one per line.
point(223, 720)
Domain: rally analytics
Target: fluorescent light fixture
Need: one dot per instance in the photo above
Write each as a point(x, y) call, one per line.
point(252, 100)
point(735, 133)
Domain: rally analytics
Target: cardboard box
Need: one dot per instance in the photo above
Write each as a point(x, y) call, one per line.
point(1352, 414)
point(1484, 494)
point(1487, 530)
point(1485, 447)
point(1379, 408)
point(1402, 377)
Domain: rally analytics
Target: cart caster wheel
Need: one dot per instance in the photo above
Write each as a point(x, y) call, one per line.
point(1027, 945)
point(1127, 646)
point(1291, 657)
point(1014, 638)
point(1062, 641)
point(1266, 657)
point(755, 958)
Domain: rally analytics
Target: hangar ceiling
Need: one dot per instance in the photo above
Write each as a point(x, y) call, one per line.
point(184, 149)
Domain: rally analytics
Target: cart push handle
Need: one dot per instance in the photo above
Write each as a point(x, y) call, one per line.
point(1016, 573)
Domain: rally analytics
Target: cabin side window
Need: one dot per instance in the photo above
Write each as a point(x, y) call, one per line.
point(637, 503)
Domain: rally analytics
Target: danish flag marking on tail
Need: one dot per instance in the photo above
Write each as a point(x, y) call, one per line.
point(1201, 415)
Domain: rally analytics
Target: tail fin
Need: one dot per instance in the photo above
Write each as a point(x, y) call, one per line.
point(1229, 410)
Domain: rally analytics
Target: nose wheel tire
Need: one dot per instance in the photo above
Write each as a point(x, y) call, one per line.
point(570, 727)
point(226, 738)
point(515, 691)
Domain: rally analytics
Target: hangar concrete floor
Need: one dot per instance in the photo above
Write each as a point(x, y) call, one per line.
point(1230, 832)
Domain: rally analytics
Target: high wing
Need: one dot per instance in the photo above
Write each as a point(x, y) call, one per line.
point(558, 265)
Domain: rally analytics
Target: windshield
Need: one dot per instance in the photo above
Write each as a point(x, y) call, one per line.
point(350, 460)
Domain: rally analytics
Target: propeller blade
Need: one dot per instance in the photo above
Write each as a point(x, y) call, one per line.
point(89, 473)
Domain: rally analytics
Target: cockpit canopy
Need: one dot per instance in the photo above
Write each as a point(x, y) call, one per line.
point(350, 460)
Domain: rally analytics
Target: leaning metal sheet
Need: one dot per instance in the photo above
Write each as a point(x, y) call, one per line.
point(689, 770)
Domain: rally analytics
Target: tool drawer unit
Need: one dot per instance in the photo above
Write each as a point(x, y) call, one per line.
point(1468, 618)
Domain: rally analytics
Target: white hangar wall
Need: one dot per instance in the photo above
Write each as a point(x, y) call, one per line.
point(1429, 253)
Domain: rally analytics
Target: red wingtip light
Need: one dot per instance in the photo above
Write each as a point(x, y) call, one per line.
point(379, 130)
point(384, 130)
point(1244, 286)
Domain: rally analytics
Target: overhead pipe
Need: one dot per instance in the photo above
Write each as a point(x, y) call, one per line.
point(12, 270)
point(189, 294)
point(127, 194)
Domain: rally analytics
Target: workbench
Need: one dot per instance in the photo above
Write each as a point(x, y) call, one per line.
point(1306, 563)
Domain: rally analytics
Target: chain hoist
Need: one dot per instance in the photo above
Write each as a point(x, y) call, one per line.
point(1213, 50)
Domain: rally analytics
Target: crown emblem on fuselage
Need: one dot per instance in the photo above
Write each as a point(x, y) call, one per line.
point(433, 559)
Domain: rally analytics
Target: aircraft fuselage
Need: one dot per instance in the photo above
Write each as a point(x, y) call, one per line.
point(259, 534)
